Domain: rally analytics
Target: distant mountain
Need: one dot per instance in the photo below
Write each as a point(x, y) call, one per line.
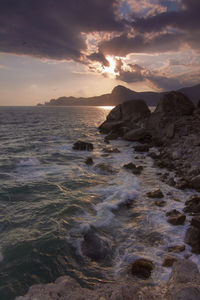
point(120, 94)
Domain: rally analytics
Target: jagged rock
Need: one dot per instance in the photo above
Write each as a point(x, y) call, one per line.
point(184, 281)
point(105, 169)
point(157, 193)
point(83, 146)
point(95, 247)
point(111, 136)
point(89, 161)
point(141, 148)
point(176, 248)
point(169, 260)
point(192, 204)
point(170, 130)
point(134, 110)
point(138, 134)
point(192, 236)
point(142, 268)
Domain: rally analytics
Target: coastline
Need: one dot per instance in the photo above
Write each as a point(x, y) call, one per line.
point(67, 288)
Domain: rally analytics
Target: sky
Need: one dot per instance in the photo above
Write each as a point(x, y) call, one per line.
point(54, 48)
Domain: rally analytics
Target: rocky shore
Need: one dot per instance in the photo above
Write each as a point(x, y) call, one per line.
point(170, 136)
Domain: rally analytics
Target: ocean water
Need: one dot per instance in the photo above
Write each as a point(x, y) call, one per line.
point(49, 198)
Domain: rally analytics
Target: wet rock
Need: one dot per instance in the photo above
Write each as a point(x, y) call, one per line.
point(169, 260)
point(141, 148)
point(175, 217)
point(182, 184)
point(192, 236)
point(110, 126)
point(192, 205)
point(111, 150)
point(171, 181)
point(138, 134)
point(177, 220)
point(111, 136)
point(105, 169)
point(173, 213)
point(184, 281)
point(195, 183)
point(83, 146)
point(160, 203)
point(157, 193)
point(142, 268)
point(176, 248)
point(89, 161)
point(95, 247)
point(135, 169)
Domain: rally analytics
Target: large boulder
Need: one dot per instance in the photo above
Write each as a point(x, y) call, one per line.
point(184, 281)
point(175, 104)
point(95, 247)
point(128, 112)
point(139, 134)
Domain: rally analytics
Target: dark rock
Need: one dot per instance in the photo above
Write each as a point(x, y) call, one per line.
point(110, 126)
point(175, 104)
point(83, 146)
point(139, 134)
point(173, 213)
point(177, 220)
point(171, 181)
point(157, 193)
point(176, 248)
point(170, 130)
point(192, 236)
point(95, 247)
point(192, 204)
point(195, 183)
point(184, 281)
point(160, 203)
point(169, 260)
point(89, 161)
point(141, 148)
point(115, 114)
point(135, 169)
point(111, 136)
point(110, 150)
point(182, 184)
point(105, 169)
point(142, 268)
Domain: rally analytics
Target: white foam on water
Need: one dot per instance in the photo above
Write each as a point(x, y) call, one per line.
point(28, 162)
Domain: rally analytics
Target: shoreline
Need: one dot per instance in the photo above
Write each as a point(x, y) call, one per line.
point(67, 288)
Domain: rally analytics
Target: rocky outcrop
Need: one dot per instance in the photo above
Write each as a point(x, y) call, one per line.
point(173, 127)
point(142, 268)
point(183, 284)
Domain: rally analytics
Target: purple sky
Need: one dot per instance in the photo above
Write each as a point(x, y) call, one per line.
point(52, 48)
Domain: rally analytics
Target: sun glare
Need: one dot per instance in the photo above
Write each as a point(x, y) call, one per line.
point(111, 68)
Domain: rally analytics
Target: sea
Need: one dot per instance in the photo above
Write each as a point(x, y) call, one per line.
point(50, 198)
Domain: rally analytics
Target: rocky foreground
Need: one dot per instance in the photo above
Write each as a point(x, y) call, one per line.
point(171, 137)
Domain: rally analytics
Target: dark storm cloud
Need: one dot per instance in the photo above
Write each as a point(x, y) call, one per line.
point(163, 32)
point(124, 45)
point(52, 28)
point(99, 57)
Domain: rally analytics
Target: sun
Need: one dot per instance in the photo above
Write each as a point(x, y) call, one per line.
point(111, 69)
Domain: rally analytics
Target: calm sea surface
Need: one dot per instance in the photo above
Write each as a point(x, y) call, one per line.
point(49, 198)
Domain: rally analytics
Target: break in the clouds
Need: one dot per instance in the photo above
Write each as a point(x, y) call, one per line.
point(103, 35)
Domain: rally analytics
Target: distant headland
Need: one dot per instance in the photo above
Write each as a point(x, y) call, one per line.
point(120, 94)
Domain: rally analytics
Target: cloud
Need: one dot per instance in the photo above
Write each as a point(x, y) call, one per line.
point(53, 29)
